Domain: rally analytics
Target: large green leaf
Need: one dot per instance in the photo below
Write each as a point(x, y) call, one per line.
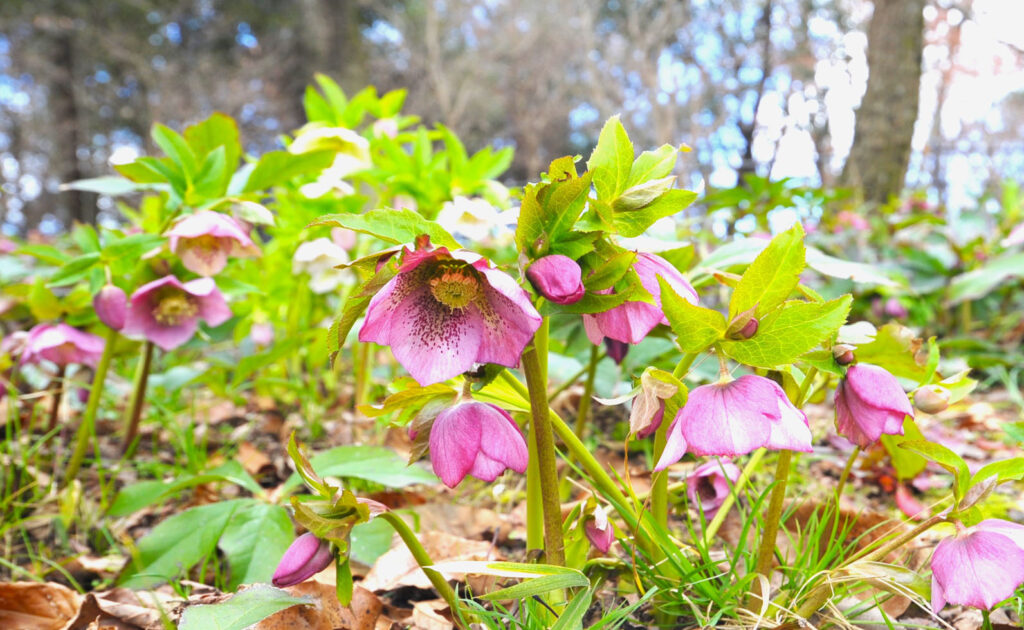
point(652, 165)
point(254, 542)
point(861, 273)
point(371, 463)
point(394, 226)
point(945, 458)
point(773, 275)
point(695, 327)
point(630, 223)
point(278, 167)
point(241, 611)
point(176, 148)
point(790, 331)
point(612, 160)
point(979, 282)
point(899, 351)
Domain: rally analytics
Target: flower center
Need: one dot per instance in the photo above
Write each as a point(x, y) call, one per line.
point(173, 308)
point(455, 288)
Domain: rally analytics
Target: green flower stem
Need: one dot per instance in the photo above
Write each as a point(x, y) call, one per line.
point(422, 558)
point(134, 409)
point(846, 475)
point(544, 441)
point(88, 425)
point(583, 409)
point(58, 393)
point(723, 510)
point(363, 366)
point(659, 482)
point(534, 497)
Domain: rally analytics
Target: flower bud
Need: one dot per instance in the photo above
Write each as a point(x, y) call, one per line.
point(111, 306)
point(599, 530)
point(558, 278)
point(306, 557)
point(843, 353)
point(931, 398)
point(743, 326)
point(616, 349)
point(749, 329)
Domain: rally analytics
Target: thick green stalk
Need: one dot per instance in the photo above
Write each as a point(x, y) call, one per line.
point(534, 496)
point(723, 510)
point(88, 425)
point(583, 409)
point(422, 558)
point(363, 366)
point(543, 437)
point(134, 409)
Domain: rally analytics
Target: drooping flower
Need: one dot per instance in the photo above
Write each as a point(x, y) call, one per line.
point(318, 258)
point(980, 566)
point(167, 311)
point(62, 345)
point(630, 322)
point(305, 557)
point(558, 278)
point(649, 404)
point(444, 312)
point(931, 398)
point(475, 438)
point(870, 402)
point(111, 306)
point(734, 418)
point(708, 485)
point(204, 241)
point(599, 530)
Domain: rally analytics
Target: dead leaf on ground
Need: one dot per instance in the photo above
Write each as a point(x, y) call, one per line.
point(397, 567)
point(431, 615)
point(253, 460)
point(120, 608)
point(36, 606)
point(326, 613)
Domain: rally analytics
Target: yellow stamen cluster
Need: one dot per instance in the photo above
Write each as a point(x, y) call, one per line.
point(455, 287)
point(173, 308)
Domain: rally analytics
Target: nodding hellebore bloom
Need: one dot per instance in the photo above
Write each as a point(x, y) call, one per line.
point(630, 322)
point(62, 345)
point(475, 438)
point(305, 557)
point(869, 403)
point(558, 278)
point(980, 566)
point(708, 485)
point(599, 530)
point(734, 418)
point(446, 311)
point(204, 241)
point(167, 311)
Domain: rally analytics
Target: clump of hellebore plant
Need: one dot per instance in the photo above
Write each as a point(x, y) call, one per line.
point(446, 311)
point(734, 418)
point(478, 439)
point(980, 566)
point(869, 403)
point(167, 311)
point(305, 557)
point(204, 241)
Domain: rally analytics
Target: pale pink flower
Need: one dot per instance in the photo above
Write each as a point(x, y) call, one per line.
point(709, 484)
point(204, 241)
point(475, 438)
point(980, 566)
point(62, 345)
point(319, 258)
point(630, 322)
point(167, 311)
point(852, 221)
point(305, 557)
point(735, 418)
point(445, 312)
point(599, 530)
point(870, 402)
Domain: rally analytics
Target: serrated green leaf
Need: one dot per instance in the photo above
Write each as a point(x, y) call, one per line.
point(945, 458)
point(773, 275)
point(653, 165)
point(695, 327)
point(632, 223)
point(788, 332)
point(241, 611)
point(393, 226)
point(612, 160)
point(639, 195)
point(608, 273)
point(254, 542)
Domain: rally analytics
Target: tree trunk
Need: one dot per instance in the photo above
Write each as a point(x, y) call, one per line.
point(885, 121)
point(66, 128)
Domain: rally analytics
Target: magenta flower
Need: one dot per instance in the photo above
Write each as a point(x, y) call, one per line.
point(111, 306)
point(475, 438)
point(869, 402)
point(445, 312)
point(558, 278)
point(204, 241)
point(630, 322)
point(980, 566)
point(61, 344)
point(305, 557)
point(599, 530)
point(709, 484)
point(167, 312)
point(735, 418)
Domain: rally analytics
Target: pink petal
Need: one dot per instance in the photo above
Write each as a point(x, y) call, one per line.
point(213, 309)
point(506, 325)
point(675, 444)
point(505, 442)
point(789, 428)
point(454, 442)
point(205, 261)
point(593, 330)
point(977, 568)
point(432, 342)
point(629, 322)
point(209, 223)
point(726, 419)
point(878, 388)
point(383, 305)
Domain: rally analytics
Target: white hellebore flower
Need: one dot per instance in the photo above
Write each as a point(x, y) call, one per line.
point(318, 258)
point(474, 219)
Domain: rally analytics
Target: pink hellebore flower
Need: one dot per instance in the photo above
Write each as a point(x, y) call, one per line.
point(630, 322)
point(61, 344)
point(204, 241)
point(166, 311)
point(980, 566)
point(305, 557)
point(475, 438)
point(708, 484)
point(599, 530)
point(558, 278)
point(445, 312)
point(735, 418)
point(111, 306)
point(869, 402)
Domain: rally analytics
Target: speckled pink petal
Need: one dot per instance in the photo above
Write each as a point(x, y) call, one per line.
point(432, 342)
